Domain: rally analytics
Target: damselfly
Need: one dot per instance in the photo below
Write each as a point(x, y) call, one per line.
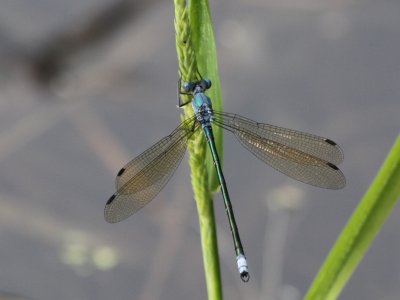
point(302, 156)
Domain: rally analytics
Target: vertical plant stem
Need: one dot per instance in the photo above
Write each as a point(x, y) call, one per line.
point(188, 67)
point(206, 54)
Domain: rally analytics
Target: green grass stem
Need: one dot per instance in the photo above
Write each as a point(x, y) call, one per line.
point(196, 53)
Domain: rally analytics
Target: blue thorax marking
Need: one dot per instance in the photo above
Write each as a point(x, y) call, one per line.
point(202, 108)
point(201, 103)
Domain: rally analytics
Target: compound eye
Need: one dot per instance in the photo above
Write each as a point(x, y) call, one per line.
point(186, 86)
point(207, 83)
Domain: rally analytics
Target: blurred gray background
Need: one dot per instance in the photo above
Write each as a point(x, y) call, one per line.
point(87, 85)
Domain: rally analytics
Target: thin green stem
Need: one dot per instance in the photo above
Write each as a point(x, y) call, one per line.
point(360, 231)
point(207, 63)
point(186, 38)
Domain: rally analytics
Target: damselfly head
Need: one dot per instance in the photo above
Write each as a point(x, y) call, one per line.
point(196, 86)
point(188, 87)
point(206, 83)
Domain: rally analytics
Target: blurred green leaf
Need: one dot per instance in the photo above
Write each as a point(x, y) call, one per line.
point(360, 231)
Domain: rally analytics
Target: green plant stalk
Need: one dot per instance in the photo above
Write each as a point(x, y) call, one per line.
point(360, 231)
point(206, 54)
point(188, 66)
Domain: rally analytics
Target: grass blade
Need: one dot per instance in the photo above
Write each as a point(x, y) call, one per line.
point(360, 231)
